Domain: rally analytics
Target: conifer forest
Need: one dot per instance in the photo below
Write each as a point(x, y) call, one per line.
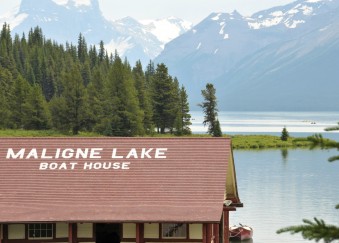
point(72, 88)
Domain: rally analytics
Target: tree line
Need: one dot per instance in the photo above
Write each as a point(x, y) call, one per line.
point(73, 88)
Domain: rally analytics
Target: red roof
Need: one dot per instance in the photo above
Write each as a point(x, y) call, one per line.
point(161, 180)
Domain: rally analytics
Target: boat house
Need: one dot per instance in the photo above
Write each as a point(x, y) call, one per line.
point(116, 190)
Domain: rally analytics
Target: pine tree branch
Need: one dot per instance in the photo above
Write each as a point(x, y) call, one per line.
point(334, 158)
point(317, 230)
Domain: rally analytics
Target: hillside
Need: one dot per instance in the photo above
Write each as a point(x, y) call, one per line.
point(282, 58)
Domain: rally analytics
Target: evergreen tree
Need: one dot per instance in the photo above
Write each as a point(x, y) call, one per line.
point(317, 230)
point(96, 100)
point(149, 75)
point(72, 101)
point(183, 119)
point(20, 91)
point(82, 49)
point(102, 52)
point(93, 56)
point(217, 129)
point(6, 50)
point(47, 81)
point(6, 83)
point(209, 107)
point(164, 99)
point(85, 89)
point(143, 97)
point(36, 113)
point(125, 114)
point(57, 107)
point(284, 134)
point(184, 110)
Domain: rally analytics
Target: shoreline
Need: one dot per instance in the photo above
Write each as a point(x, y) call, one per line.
point(239, 141)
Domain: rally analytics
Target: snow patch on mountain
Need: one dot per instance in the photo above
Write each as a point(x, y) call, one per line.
point(216, 18)
point(61, 2)
point(167, 29)
point(121, 45)
point(232, 50)
point(64, 20)
point(76, 3)
point(13, 18)
point(289, 17)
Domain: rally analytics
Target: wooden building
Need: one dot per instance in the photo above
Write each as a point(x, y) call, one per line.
point(110, 190)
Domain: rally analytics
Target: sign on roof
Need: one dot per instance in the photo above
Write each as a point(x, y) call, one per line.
point(112, 179)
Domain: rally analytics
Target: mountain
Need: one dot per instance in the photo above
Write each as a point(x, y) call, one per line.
point(282, 58)
point(64, 20)
point(148, 37)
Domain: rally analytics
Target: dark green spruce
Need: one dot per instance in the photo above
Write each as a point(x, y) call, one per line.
point(80, 88)
point(209, 107)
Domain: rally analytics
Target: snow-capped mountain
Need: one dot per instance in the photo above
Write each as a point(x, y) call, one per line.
point(167, 29)
point(149, 36)
point(64, 20)
point(256, 62)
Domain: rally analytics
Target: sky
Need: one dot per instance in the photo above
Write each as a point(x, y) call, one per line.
point(191, 10)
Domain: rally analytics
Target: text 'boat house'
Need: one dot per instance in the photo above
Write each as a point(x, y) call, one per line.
point(111, 190)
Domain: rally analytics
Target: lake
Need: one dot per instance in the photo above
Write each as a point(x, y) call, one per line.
point(279, 188)
point(300, 124)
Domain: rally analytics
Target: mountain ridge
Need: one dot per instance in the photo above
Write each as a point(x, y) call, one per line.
point(247, 58)
point(244, 66)
point(63, 21)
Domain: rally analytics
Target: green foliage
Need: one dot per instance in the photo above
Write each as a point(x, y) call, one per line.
point(317, 230)
point(329, 144)
point(267, 142)
point(183, 119)
point(165, 99)
point(210, 110)
point(217, 129)
point(6, 86)
point(36, 115)
point(284, 134)
point(76, 89)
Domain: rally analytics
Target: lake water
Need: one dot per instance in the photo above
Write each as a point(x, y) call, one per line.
point(279, 188)
point(299, 124)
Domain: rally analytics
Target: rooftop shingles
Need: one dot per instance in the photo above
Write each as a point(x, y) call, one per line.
point(186, 186)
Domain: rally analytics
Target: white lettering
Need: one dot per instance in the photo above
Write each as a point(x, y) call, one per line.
point(43, 166)
point(12, 155)
point(115, 156)
point(95, 153)
point(97, 166)
point(33, 154)
point(53, 166)
point(88, 166)
point(132, 152)
point(145, 152)
point(57, 153)
point(67, 153)
point(44, 156)
point(81, 153)
point(63, 166)
point(125, 165)
point(73, 164)
point(116, 165)
point(160, 153)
